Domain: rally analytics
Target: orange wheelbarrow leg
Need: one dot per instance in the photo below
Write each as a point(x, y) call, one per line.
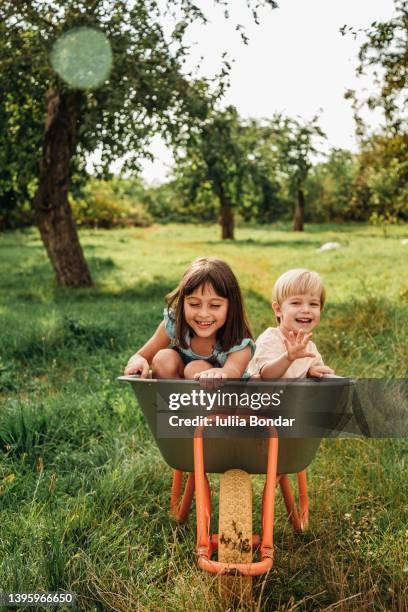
point(299, 522)
point(203, 502)
point(303, 499)
point(180, 510)
point(268, 502)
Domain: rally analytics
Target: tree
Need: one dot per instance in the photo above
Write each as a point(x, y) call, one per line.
point(380, 189)
point(267, 199)
point(18, 142)
point(330, 187)
point(146, 92)
point(216, 157)
point(384, 56)
point(293, 142)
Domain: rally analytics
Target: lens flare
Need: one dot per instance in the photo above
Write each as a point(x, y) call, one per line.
point(82, 57)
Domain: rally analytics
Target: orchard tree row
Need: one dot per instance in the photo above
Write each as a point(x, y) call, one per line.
point(52, 119)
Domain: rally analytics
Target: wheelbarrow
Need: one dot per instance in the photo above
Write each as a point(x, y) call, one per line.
point(231, 552)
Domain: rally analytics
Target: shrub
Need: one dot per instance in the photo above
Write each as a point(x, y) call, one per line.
point(105, 204)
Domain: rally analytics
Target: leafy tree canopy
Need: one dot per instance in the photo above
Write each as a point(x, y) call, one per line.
point(148, 90)
point(384, 56)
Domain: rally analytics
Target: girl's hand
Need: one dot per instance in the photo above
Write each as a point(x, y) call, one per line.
point(318, 371)
point(137, 365)
point(296, 346)
point(211, 379)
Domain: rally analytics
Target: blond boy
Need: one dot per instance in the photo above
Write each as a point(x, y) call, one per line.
point(286, 351)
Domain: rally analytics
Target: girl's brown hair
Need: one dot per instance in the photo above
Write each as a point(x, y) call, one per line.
point(218, 274)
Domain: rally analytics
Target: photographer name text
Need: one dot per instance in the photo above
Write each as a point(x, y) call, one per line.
point(230, 421)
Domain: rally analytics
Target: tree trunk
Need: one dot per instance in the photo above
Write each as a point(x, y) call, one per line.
point(299, 212)
point(226, 217)
point(51, 207)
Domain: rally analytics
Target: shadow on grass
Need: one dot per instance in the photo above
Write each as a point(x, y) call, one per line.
point(41, 273)
point(146, 291)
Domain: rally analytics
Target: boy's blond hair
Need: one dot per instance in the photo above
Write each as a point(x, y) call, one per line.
point(298, 282)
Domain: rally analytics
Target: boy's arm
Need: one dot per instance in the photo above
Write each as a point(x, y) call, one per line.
point(318, 369)
point(276, 368)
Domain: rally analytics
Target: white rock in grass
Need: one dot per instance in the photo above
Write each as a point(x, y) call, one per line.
point(405, 241)
point(328, 246)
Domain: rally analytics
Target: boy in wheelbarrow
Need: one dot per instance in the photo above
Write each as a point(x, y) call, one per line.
point(286, 351)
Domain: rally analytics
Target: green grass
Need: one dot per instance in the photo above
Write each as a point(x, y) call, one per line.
point(83, 490)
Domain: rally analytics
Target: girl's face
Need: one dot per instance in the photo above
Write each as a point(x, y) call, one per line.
point(298, 312)
point(205, 311)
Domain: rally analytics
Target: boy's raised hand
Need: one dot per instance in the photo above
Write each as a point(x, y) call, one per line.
point(137, 365)
point(296, 345)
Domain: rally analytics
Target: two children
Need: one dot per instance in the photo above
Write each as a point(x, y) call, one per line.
point(205, 333)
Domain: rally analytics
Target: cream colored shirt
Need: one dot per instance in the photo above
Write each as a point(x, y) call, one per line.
point(270, 346)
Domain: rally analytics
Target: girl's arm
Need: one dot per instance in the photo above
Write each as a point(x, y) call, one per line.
point(237, 363)
point(140, 361)
point(234, 367)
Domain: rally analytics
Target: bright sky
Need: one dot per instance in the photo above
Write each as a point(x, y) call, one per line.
point(296, 62)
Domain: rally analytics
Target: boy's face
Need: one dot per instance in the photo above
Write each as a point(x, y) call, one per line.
point(298, 312)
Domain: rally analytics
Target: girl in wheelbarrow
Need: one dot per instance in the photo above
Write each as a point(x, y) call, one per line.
point(205, 333)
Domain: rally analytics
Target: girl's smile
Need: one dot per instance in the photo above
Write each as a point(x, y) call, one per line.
point(205, 311)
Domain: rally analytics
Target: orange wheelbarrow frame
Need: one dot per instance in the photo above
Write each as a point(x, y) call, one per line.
point(207, 544)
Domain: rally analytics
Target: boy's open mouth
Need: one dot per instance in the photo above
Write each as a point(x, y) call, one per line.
point(303, 320)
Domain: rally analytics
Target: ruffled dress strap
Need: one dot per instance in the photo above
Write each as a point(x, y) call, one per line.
point(245, 342)
point(169, 324)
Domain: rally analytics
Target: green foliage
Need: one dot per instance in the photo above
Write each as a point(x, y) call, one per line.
point(383, 56)
point(330, 186)
point(267, 197)
point(215, 157)
point(380, 186)
point(166, 205)
point(294, 143)
point(237, 162)
point(369, 185)
point(112, 203)
point(18, 163)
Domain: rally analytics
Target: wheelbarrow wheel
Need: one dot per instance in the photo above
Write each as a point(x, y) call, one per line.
point(235, 533)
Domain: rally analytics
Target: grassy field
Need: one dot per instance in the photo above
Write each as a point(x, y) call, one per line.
point(83, 490)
